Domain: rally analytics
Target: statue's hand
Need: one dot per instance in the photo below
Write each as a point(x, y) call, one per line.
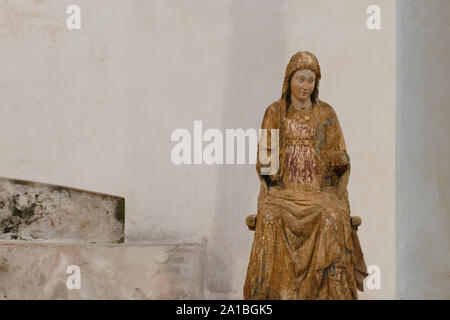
point(340, 161)
point(339, 158)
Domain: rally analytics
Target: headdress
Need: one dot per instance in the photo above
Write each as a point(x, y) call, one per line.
point(301, 60)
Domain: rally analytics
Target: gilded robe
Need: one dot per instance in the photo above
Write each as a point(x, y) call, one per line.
point(304, 246)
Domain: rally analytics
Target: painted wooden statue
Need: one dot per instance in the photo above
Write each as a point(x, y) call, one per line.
point(305, 244)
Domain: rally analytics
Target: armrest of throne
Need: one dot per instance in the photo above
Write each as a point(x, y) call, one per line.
point(250, 221)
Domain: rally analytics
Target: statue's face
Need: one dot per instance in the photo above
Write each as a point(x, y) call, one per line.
point(302, 84)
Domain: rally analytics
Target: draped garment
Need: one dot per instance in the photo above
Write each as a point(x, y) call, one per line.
point(304, 246)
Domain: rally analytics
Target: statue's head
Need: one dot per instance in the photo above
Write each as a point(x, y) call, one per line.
point(302, 77)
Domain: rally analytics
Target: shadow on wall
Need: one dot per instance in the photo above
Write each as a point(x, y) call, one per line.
point(256, 56)
point(422, 170)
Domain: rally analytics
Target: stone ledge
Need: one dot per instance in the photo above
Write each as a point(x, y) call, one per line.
point(38, 211)
point(37, 270)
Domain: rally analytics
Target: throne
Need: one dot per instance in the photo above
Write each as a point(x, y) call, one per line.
point(250, 221)
point(360, 264)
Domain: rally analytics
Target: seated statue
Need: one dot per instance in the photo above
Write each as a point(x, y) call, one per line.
point(305, 243)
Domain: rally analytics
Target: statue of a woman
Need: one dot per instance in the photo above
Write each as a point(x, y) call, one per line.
point(304, 245)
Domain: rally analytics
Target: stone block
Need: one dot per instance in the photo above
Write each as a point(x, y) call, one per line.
point(39, 211)
point(38, 270)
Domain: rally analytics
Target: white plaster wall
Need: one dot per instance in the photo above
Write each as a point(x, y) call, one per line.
point(94, 109)
point(423, 150)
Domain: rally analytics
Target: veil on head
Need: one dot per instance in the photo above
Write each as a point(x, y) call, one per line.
point(301, 60)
